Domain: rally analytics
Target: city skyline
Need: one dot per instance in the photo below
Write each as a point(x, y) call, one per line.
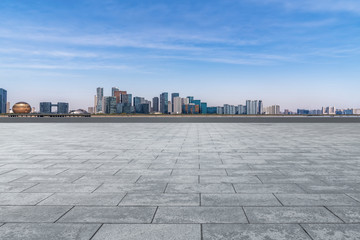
point(297, 55)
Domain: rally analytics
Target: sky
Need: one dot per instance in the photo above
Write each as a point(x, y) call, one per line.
point(297, 54)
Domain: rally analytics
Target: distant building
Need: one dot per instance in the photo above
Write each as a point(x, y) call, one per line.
point(137, 104)
point(91, 110)
point(185, 101)
point(3, 100)
point(219, 110)
point(169, 107)
point(99, 98)
point(190, 108)
point(8, 107)
point(45, 107)
point(118, 94)
point(329, 110)
point(191, 99)
point(155, 104)
point(229, 109)
point(113, 90)
point(273, 110)
point(241, 109)
point(109, 105)
point(203, 108)
point(173, 95)
point(164, 101)
point(62, 108)
point(211, 110)
point(177, 105)
point(303, 112)
point(127, 103)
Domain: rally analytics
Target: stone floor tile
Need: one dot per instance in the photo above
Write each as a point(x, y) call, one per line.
point(167, 199)
point(316, 200)
point(92, 199)
point(149, 232)
point(333, 231)
point(47, 231)
point(109, 215)
point(62, 187)
point(254, 232)
point(347, 214)
point(239, 200)
point(113, 187)
point(199, 188)
point(268, 188)
point(31, 214)
point(22, 198)
point(290, 215)
point(200, 215)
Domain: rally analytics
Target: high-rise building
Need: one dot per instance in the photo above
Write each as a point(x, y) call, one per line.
point(45, 107)
point(3, 100)
point(273, 110)
point(211, 110)
point(109, 105)
point(191, 98)
point(219, 110)
point(164, 101)
point(185, 101)
point(173, 95)
point(170, 110)
point(248, 106)
point(99, 98)
point(62, 108)
point(260, 109)
point(8, 107)
point(241, 109)
point(329, 110)
point(229, 109)
point(177, 105)
point(113, 89)
point(137, 104)
point(118, 94)
point(203, 108)
point(126, 100)
point(155, 104)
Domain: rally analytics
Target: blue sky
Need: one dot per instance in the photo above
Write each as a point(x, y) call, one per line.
point(299, 54)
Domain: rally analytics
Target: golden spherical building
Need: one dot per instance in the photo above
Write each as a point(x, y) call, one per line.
point(21, 108)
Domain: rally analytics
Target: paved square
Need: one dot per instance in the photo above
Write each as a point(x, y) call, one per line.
point(251, 181)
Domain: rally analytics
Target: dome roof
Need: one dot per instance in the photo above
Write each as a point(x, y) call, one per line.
point(78, 111)
point(21, 108)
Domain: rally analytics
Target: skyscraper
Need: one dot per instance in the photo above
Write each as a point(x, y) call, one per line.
point(3, 100)
point(173, 95)
point(260, 110)
point(176, 105)
point(99, 98)
point(113, 89)
point(137, 104)
point(170, 110)
point(118, 94)
point(109, 105)
point(248, 103)
point(155, 104)
point(164, 103)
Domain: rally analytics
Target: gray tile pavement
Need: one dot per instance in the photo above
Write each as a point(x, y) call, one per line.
point(255, 181)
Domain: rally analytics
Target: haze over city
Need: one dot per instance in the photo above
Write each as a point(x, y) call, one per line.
point(296, 54)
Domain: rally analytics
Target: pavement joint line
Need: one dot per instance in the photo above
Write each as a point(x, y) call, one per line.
point(152, 220)
point(165, 187)
point(334, 214)
point(352, 197)
point(259, 179)
point(97, 230)
point(24, 191)
point(64, 214)
point(306, 232)
point(201, 232)
point(138, 179)
point(278, 199)
point(121, 199)
point(44, 199)
point(62, 171)
point(233, 187)
point(97, 187)
point(81, 176)
point(247, 219)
